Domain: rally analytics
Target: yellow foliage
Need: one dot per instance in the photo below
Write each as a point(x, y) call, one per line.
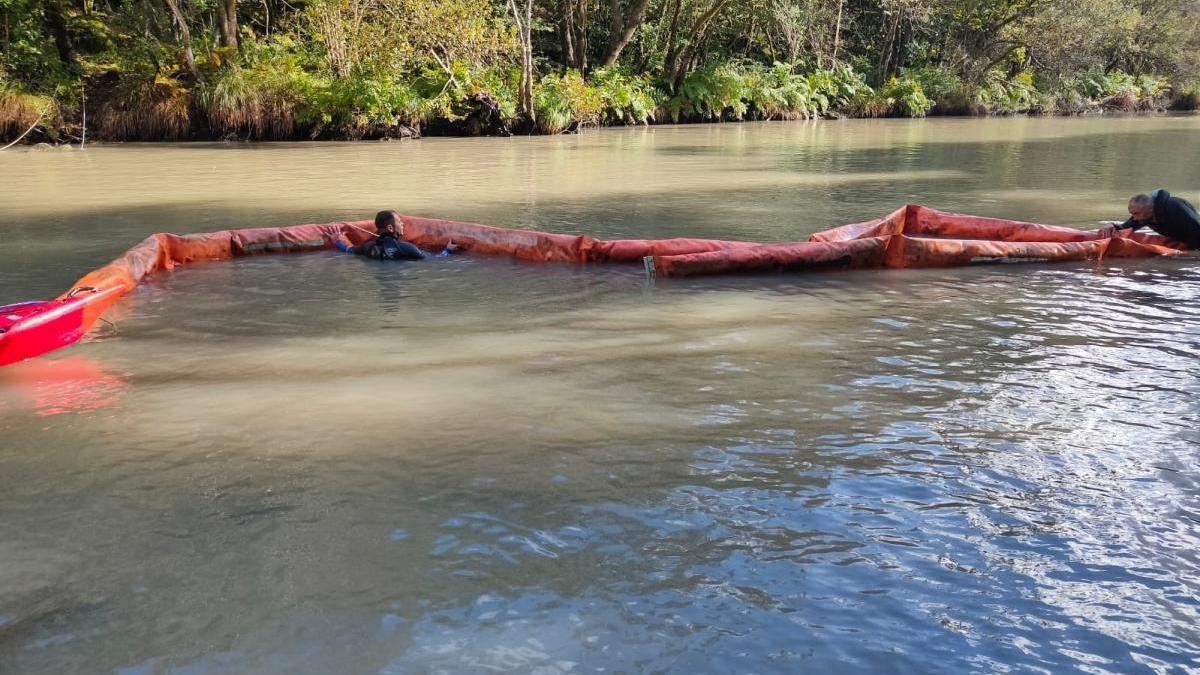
point(409, 35)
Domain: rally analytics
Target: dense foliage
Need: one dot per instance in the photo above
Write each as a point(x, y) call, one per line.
point(281, 69)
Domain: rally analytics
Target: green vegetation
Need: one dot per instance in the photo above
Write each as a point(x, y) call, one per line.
point(286, 69)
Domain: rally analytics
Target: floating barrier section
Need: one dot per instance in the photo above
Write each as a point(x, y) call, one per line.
point(917, 236)
point(912, 236)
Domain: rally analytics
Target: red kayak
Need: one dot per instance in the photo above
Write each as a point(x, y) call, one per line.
point(29, 329)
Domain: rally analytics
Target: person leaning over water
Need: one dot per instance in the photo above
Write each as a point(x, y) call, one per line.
point(390, 244)
point(1172, 217)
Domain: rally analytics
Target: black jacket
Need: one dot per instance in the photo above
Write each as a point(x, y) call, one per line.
point(1174, 218)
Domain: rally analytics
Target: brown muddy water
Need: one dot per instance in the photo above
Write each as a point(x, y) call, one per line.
point(323, 464)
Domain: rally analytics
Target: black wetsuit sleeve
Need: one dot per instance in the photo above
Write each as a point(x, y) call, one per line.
point(406, 251)
point(363, 248)
point(1130, 224)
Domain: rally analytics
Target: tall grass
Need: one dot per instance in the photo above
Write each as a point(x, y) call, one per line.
point(143, 107)
point(259, 103)
point(20, 110)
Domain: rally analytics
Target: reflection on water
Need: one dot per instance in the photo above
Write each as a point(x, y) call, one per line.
point(72, 384)
point(316, 463)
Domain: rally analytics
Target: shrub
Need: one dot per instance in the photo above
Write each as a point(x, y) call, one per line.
point(1068, 98)
point(872, 104)
point(500, 83)
point(731, 90)
point(780, 93)
point(1187, 97)
point(1002, 95)
point(1153, 90)
point(949, 94)
point(1117, 90)
point(566, 101)
point(628, 99)
point(900, 97)
point(360, 103)
point(445, 95)
point(840, 86)
point(711, 93)
point(906, 97)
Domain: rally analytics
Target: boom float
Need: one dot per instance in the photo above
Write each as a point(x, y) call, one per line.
point(911, 236)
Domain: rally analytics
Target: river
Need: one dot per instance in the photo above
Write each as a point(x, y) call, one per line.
point(322, 464)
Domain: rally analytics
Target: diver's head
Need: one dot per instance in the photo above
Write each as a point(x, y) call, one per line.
point(389, 222)
point(1141, 207)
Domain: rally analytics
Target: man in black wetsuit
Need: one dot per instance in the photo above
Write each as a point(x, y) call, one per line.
point(390, 244)
point(1172, 217)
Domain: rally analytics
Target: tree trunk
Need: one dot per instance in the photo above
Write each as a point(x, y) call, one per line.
point(837, 31)
point(524, 20)
point(56, 22)
point(672, 45)
point(567, 30)
point(683, 60)
point(527, 90)
point(185, 36)
point(885, 64)
point(582, 64)
point(624, 29)
point(574, 33)
point(616, 21)
point(227, 17)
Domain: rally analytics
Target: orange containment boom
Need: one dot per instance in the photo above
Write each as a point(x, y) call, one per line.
point(912, 236)
point(918, 236)
point(30, 329)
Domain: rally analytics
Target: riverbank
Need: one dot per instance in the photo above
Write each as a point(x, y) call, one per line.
point(72, 141)
point(268, 104)
point(67, 136)
point(370, 69)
